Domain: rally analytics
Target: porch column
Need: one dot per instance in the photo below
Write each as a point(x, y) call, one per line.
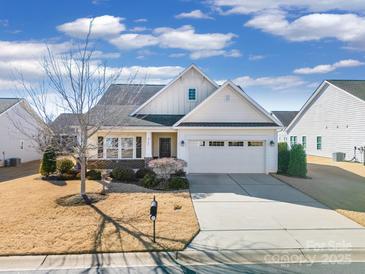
point(148, 151)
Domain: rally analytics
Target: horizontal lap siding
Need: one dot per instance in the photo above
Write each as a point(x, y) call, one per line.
point(336, 116)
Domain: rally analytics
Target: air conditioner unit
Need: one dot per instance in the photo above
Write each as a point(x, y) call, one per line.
point(338, 156)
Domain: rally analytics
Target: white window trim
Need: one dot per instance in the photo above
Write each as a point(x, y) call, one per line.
point(306, 141)
point(317, 142)
point(120, 148)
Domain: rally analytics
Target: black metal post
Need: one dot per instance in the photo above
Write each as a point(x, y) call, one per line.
point(154, 231)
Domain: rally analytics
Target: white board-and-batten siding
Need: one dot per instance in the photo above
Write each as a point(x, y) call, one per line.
point(338, 117)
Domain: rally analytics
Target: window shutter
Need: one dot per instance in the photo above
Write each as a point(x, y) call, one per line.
point(138, 147)
point(100, 147)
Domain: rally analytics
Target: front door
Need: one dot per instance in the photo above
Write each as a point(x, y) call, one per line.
point(165, 147)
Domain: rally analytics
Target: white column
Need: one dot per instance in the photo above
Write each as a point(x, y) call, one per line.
point(148, 151)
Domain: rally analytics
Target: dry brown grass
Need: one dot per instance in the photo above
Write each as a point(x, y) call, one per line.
point(32, 223)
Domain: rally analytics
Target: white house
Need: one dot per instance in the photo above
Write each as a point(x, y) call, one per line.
point(17, 125)
point(215, 129)
point(285, 117)
point(332, 120)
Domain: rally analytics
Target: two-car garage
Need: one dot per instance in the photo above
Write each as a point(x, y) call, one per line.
point(226, 156)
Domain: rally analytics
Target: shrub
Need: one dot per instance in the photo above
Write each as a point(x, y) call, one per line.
point(283, 157)
point(178, 183)
point(64, 166)
point(150, 180)
point(164, 167)
point(297, 162)
point(93, 174)
point(180, 173)
point(48, 164)
point(123, 174)
point(143, 172)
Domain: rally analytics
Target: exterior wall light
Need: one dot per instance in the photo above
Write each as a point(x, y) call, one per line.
point(272, 143)
point(182, 143)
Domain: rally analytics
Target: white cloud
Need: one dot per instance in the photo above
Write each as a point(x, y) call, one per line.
point(195, 14)
point(102, 27)
point(134, 41)
point(210, 53)
point(6, 84)
point(255, 57)
point(320, 69)
point(186, 38)
point(247, 7)
point(141, 20)
point(177, 55)
point(274, 83)
point(138, 29)
point(344, 27)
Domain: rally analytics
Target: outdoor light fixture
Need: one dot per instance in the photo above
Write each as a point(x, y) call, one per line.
point(182, 143)
point(272, 143)
point(153, 216)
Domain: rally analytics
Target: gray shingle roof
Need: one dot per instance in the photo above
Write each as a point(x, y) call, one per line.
point(229, 124)
point(63, 122)
point(354, 87)
point(6, 103)
point(285, 117)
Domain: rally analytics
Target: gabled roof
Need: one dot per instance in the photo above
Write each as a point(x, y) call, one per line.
point(173, 81)
point(285, 117)
point(63, 122)
point(354, 87)
point(6, 103)
point(275, 122)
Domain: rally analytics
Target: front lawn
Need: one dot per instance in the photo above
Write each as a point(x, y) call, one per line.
point(31, 222)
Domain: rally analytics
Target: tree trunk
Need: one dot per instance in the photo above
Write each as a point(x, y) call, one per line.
point(83, 175)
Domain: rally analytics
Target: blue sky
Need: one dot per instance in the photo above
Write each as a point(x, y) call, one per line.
point(277, 50)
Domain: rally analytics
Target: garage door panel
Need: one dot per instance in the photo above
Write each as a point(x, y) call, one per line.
point(205, 159)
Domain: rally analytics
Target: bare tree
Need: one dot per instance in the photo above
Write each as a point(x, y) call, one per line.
point(78, 81)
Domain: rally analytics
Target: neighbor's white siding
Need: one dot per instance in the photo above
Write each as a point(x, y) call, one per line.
point(227, 106)
point(17, 127)
point(174, 100)
point(336, 116)
point(266, 135)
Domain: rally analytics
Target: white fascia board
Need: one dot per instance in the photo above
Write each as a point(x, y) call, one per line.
point(251, 128)
point(305, 106)
point(239, 91)
point(172, 82)
point(13, 106)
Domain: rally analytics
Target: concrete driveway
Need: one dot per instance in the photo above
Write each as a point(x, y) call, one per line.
point(257, 211)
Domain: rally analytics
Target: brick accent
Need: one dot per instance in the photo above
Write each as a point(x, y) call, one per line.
point(110, 164)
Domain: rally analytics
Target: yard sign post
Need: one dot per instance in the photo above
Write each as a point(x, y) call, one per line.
point(153, 216)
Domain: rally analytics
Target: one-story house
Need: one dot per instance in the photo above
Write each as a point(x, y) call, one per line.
point(214, 128)
point(332, 120)
point(18, 124)
point(285, 117)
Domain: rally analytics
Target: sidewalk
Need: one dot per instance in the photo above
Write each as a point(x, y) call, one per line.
point(191, 257)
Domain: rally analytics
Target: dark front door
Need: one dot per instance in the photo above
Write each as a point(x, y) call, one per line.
point(165, 147)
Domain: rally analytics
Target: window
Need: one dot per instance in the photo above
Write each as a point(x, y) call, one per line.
point(319, 142)
point(235, 144)
point(216, 143)
point(192, 94)
point(127, 147)
point(293, 140)
point(304, 141)
point(111, 148)
point(21, 144)
point(100, 147)
point(202, 143)
point(138, 147)
point(255, 143)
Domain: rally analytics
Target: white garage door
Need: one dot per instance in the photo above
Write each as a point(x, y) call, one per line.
point(216, 156)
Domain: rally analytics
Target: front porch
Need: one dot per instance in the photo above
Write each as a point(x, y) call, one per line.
point(130, 148)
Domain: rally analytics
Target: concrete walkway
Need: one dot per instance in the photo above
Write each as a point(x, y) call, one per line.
point(257, 211)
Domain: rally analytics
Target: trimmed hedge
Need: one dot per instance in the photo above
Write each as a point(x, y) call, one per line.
point(298, 161)
point(93, 174)
point(143, 172)
point(123, 174)
point(64, 166)
point(176, 183)
point(150, 180)
point(283, 157)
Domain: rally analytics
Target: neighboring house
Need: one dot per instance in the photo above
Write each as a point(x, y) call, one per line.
point(18, 124)
point(64, 128)
point(285, 117)
point(332, 120)
point(215, 129)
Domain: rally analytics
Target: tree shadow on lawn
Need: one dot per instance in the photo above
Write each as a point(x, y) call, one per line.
point(145, 239)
